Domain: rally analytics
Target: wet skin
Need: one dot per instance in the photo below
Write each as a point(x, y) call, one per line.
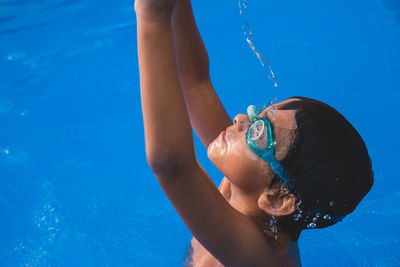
point(247, 176)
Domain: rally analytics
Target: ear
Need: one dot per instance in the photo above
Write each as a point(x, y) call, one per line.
point(277, 203)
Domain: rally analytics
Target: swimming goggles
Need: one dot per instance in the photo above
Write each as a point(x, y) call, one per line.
point(260, 139)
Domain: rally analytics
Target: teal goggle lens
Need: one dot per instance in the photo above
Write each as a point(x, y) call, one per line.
point(260, 139)
point(257, 134)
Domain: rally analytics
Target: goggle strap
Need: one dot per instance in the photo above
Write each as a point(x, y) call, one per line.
point(270, 137)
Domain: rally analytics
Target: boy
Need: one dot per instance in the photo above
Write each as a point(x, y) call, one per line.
point(297, 165)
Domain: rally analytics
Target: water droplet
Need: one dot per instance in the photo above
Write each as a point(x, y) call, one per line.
point(318, 214)
point(327, 217)
point(311, 225)
point(315, 219)
point(317, 201)
point(337, 179)
point(272, 224)
point(284, 188)
point(297, 216)
point(332, 203)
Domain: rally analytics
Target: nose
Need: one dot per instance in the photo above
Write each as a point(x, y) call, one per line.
point(241, 122)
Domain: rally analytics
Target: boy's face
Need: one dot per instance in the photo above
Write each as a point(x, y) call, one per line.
point(231, 154)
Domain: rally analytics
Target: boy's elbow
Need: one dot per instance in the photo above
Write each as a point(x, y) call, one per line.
point(169, 164)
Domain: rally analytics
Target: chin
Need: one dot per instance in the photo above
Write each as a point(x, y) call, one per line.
point(216, 154)
point(211, 154)
point(216, 150)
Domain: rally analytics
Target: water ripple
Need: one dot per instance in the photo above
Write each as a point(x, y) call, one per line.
point(79, 48)
point(18, 85)
point(353, 247)
point(120, 27)
point(121, 237)
point(6, 19)
point(15, 56)
point(380, 206)
point(27, 27)
point(13, 156)
point(37, 249)
point(24, 80)
point(5, 105)
point(393, 6)
point(59, 5)
point(9, 3)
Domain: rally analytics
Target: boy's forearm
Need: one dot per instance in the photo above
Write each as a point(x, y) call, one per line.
point(207, 114)
point(190, 52)
point(168, 134)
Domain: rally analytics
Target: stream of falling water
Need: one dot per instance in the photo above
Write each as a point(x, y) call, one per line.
point(250, 41)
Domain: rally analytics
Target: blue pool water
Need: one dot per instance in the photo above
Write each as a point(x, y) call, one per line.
point(75, 188)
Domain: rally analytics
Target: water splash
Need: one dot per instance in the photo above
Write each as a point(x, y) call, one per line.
point(250, 41)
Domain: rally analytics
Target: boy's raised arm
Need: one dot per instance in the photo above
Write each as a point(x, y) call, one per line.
point(207, 114)
point(226, 233)
point(168, 135)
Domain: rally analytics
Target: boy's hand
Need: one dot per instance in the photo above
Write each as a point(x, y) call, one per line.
point(155, 8)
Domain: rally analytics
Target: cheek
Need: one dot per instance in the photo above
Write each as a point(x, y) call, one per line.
point(240, 150)
point(237, 162)
point(246, 173)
